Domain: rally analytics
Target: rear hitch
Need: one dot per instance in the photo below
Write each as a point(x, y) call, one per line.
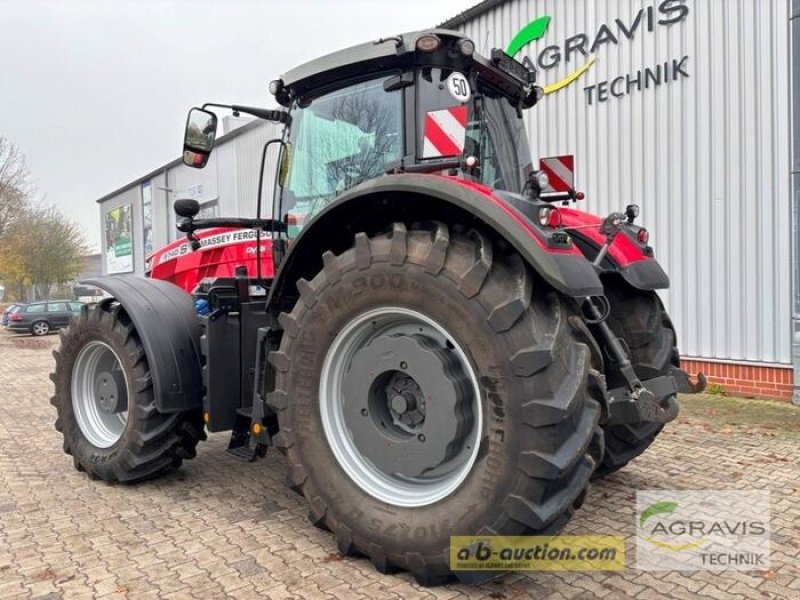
point(651, 401)
point(684, 383)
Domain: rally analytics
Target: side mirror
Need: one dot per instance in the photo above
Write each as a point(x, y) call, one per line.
point(198, 140)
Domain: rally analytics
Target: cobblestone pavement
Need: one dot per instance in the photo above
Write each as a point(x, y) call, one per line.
point(221, 528)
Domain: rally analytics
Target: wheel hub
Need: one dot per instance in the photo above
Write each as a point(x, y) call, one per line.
point(99, 391)
point(111, 392)
point(406, 402)
point(400, 406)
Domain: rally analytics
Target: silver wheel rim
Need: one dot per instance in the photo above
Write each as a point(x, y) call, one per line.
point(100, 423)
point(40, 328)
point(392, 488)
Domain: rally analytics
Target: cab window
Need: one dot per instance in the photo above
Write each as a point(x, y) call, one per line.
point(337, 141)
point(440, 125)
point(56, 307)
point(32, 308)
point(499, 139)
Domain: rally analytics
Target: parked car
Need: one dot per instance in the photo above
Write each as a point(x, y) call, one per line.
point(40, 318)
point(11, 308)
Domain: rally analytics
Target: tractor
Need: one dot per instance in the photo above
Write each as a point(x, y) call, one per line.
point(436, 344)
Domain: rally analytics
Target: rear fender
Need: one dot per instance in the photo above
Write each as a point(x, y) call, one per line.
point(373, 205)
point(627, 256)
point(169, 328)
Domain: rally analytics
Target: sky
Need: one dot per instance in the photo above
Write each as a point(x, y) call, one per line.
point(95, 93)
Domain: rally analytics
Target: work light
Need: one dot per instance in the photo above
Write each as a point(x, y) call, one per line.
point(466, 47)
point(428, 42)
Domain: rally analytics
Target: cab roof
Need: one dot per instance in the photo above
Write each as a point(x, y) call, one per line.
point(393, 53)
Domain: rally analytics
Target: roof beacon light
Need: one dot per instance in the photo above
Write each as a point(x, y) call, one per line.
point(428, 42)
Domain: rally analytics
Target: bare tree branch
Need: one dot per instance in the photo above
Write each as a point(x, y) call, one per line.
point(16, 187)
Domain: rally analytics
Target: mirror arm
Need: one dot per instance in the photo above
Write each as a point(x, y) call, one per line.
point(192, 225)
point(278, 116)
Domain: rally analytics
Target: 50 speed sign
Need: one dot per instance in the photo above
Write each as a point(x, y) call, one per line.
point(458, 86)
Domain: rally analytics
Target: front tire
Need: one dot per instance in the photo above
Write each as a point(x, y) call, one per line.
point(519, 389)
point(106, 409)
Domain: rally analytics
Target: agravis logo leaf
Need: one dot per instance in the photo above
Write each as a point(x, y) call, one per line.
point(533, 31)
point(536, 30)
point(666, 507)
point(656, 509)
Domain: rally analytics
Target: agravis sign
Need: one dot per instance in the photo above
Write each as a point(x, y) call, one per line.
point(587, 47)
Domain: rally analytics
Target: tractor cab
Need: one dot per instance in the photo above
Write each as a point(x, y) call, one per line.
point(421, 102)
point(440, 107)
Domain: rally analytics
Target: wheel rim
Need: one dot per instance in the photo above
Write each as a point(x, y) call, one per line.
point(400, 407)
point(40, 328)
point(99, 394)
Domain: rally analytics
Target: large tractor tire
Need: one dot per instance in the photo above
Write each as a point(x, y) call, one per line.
point(637, 317)
point(106, 409)
point(430, 385)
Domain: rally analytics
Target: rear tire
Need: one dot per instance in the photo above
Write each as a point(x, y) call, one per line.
point(40, 328)
point(639, 318)
point(105, 442)
point(537, 434)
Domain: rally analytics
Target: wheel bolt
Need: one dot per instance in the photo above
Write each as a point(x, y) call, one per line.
point(364, 412)
point(421, 437)
point(404, 365)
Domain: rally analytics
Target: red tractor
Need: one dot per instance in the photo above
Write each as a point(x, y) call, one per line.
point(435, 345)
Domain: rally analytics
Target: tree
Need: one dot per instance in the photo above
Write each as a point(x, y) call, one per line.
point(42, 248)
point(15, 184)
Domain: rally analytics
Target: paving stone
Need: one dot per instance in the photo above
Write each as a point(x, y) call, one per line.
point(220, 528)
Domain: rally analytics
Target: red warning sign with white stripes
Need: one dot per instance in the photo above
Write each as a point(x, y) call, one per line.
point(561, 171)
point(445, 132)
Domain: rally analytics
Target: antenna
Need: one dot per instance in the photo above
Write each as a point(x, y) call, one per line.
point(485, 43)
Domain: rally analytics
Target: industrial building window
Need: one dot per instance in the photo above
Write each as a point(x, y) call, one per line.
point(147, 218)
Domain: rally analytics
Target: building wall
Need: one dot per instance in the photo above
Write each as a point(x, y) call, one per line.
point(706, 156)
point(227, 186)
point(795, 35)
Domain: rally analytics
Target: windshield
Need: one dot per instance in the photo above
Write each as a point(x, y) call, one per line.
point(338, 141)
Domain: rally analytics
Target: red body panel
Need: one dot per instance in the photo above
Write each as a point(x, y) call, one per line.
point(223, 249)
point(622, 252)
point(488, 193)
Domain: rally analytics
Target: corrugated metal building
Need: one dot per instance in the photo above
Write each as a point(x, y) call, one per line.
point(683, 108)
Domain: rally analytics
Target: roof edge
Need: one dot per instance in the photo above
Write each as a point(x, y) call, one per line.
point(178, 161)
point(470, 14)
